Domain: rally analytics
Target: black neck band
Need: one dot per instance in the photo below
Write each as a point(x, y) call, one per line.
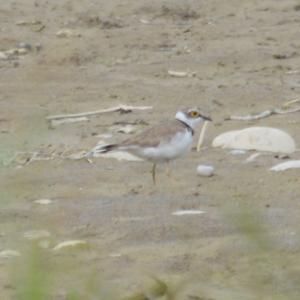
point(188, 127)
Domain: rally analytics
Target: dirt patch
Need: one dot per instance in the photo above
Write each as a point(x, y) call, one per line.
point(244, 56)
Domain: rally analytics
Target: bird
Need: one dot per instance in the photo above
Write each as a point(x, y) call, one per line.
point(163, 142)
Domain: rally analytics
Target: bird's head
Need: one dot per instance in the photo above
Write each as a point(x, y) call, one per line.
point(192, 117)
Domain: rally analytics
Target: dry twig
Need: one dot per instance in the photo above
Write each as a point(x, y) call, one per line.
point(267, 113)
point(120, 108)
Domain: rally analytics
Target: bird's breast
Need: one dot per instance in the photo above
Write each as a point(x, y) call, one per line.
point(171, 149)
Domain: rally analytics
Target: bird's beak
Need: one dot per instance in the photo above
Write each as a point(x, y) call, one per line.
point(206, 118)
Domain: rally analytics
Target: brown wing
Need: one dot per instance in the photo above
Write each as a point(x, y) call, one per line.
point(152, 136)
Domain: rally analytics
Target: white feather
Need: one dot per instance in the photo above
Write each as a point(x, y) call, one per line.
point(166, 151)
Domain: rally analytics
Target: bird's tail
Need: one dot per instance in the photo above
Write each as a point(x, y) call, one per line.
point(99, 149)
point(106, 148)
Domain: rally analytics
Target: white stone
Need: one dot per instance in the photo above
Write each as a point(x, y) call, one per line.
point(3, 56)
point(252, 157)
point(105, 136)
point(188, 212)
point(67, 33)
point(205, 170)
point(238, 152)
point(256, 138)
point(9, 253)
point(70, 244)
point(43, 201)
point(127, 129)
point(115, 255)
point(291, 164)
point(178, 73)
point(181, 74)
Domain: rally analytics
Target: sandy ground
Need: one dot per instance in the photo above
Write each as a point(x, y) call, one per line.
point(245, 59)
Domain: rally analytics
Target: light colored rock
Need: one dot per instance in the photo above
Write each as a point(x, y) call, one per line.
point(256, 138)
point(178, 73)
point(188, 212)
point(67, 33)
point(291, 164)
point(43, 201)
point(181, 74)
point(70, 244)
point(115, 255)
point(252, 157)
point(104, 136)
point(22, 51)
point(238, 152)
point(127, 129)
point(3, 56)
point(12, 52)
point(206, 171)
point(9, 253)
point(145, 21)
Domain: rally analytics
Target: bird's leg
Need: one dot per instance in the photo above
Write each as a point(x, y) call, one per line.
point(168, 169)
point(153, 173)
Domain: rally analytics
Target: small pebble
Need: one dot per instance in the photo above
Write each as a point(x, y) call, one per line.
point(115, 255)
point(127, 129)
point(104, 136)
point(22, 51)
point(9, 253)
point(205, 170)
point(188, 212)
point(238, 152)
point(43, 201)
point(3, 56)
point(178, 73)
point(181, 74)
point(253, 157)
point(71, 244)
point(11, 52)
point(67, 33)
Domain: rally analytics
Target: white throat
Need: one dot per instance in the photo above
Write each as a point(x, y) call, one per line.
point(188, 121)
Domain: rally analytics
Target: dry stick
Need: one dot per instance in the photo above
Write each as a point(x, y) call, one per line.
point(201, 136)
point(264, 114)
point(282, 111)
point(290, 102)
point(121, 107)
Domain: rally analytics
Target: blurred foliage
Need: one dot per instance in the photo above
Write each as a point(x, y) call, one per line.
point(32, 276)
point(42, 275)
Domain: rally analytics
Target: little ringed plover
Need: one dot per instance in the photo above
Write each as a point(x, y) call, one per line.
point(163, 142)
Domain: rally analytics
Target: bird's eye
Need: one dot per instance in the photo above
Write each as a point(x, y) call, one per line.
point(194, 114)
